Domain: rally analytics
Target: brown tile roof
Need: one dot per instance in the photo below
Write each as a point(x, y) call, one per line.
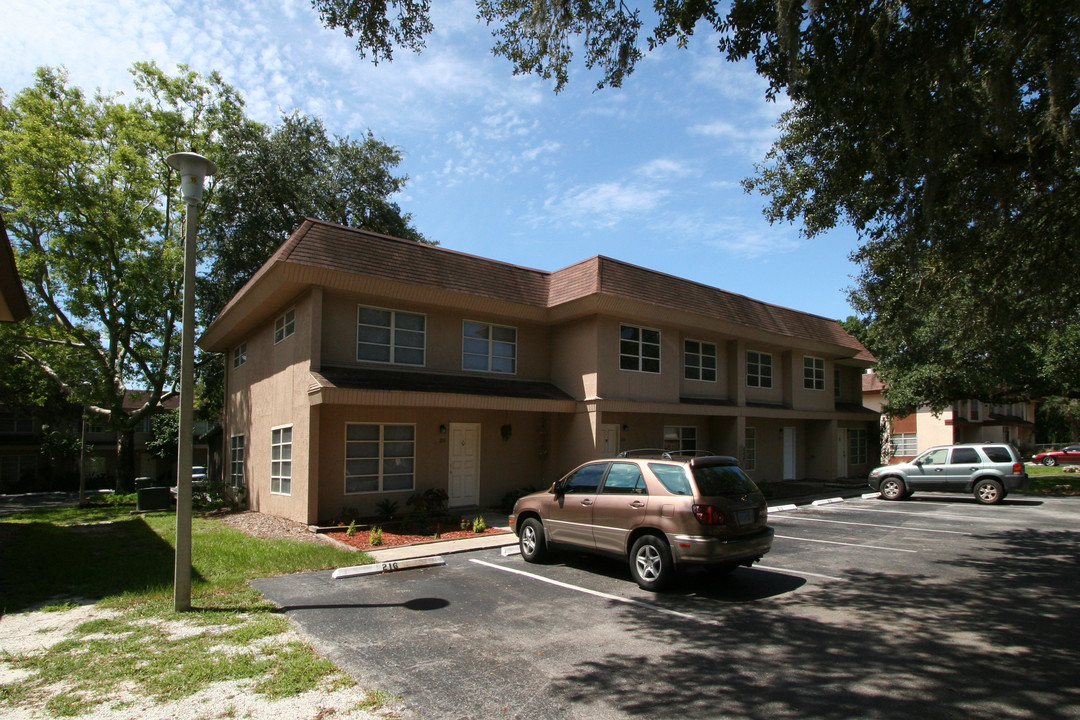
point(871, 383)
point(335, 247)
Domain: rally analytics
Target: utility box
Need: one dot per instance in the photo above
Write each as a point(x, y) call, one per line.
point(153, 498)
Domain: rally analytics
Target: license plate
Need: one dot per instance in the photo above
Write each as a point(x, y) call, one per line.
point(744, 517)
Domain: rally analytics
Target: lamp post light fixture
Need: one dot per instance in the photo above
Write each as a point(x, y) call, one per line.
point(193, 169)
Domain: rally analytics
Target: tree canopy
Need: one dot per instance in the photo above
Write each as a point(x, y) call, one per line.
point(946, 133)
point(94, 217)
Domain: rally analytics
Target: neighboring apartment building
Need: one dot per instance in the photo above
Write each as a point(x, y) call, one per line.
point(361, 368)
point(965, 421)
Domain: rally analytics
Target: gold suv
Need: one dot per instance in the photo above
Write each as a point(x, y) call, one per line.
point(656, 510)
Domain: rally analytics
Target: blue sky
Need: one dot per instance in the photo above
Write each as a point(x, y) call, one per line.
point(499, 166)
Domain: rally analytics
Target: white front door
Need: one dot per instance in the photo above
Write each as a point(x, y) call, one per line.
point(609, 440)
point(789, 453)
point(464, 464)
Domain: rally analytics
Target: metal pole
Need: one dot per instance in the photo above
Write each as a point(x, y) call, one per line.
point(82, 460)
point(182, 573)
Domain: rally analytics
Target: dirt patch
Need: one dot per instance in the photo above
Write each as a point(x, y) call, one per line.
point(361, 539)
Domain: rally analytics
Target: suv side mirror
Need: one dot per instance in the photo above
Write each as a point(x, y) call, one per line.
point(558, 488)
point(917, 463)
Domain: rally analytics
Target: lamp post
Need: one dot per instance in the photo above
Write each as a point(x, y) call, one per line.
point(193, 169)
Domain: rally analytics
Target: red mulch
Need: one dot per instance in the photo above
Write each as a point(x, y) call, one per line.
point(392, 537)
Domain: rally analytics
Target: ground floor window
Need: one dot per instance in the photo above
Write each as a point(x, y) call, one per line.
point(905, 444)
point(379, 458)
point(281, 460)
point(857, 454)
point(680, 439)
point(749, 459)
point(236, 460)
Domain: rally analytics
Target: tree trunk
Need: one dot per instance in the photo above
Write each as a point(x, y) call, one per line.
point(125, 461)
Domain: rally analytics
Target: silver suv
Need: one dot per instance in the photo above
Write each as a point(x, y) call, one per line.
point(987, 470)
point(659, 511)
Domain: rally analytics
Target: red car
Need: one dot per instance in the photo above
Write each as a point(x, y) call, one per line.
point(1050, 458)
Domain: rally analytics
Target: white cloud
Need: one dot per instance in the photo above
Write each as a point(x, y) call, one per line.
point(731, 234)
point(665, 169)
point(602, 205)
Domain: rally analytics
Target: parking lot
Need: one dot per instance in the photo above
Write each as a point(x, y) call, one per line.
point(933, 607)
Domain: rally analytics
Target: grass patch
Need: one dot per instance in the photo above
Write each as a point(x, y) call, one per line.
point(53, 557)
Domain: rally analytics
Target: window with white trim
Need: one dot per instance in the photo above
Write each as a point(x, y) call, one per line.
point(813, 373)
point(749, 460)
point(236, 461)
point(281, 460)
point(239, 355)
point(758, 369)
point(285, 325)
point(680, 438)
point(488, 348)
point(379, 458)
point(12, 421)
point(639, 349)
point(904, 444)
point(857, 454)
point(390, 336)
point(699, 360)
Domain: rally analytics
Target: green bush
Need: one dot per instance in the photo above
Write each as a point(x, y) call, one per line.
point(375, 538)
point(478, 525)
point(508, 500)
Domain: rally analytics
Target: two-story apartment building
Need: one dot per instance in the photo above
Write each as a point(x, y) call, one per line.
point(362, 367)
point(964, 421)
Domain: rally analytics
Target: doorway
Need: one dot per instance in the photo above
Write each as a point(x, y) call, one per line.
point(464, 485)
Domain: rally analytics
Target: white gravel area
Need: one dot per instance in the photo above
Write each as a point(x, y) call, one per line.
point(36, 632)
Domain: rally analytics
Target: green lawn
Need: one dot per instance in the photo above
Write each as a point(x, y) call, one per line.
point(1052, 479)
point(62, 557)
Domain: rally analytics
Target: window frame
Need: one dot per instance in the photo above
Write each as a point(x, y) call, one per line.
point(285, 325)
point(283, 481)
point(239, 354)
point(490, 342)
point(682, 438)
point(758, 377)
point(813, 374)
point(381, 475)
point(237, 459)
point(392, 345)
point(701, 355)
point(910, 441)
point(749, 462)
point(638, 358)
point(858, 449)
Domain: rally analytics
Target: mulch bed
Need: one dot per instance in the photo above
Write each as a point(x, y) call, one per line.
point(391, 537)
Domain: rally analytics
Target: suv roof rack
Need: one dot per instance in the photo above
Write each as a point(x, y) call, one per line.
point(665, 454)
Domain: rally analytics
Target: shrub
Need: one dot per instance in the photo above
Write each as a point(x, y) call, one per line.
point(386, 509)
point(375, 538)
point(478, 525)
point(352, 528)
point(511, 497)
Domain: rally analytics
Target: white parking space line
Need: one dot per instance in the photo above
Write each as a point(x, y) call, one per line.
point(847, 522)
point(855, 545)
point(597, 593)
point(930, 514)
point(789, 571)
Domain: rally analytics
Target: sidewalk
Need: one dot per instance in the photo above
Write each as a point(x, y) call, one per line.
point(779, 495)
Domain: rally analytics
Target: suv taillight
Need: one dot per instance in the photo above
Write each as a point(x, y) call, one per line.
point(1018, 468)
point(709, 515)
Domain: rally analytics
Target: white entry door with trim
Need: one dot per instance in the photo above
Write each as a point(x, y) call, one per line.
point(609, 440)
point(841, 453)
point(789, 453)
point(464, 484)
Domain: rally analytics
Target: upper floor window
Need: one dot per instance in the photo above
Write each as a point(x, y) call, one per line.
point(639, 349)
point(16, 422)
point(758, 369)
point(281, 461)
point(813, 373)
point(390, 336)
point(239, 355)
point(488, 348)
point(285, 325)
point(975, 411)
point(699, 360)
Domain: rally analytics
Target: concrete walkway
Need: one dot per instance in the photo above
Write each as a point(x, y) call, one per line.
point(782, 496)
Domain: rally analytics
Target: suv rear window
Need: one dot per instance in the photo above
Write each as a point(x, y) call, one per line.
point(723, 480)
point(673, 477)
point(998, 454)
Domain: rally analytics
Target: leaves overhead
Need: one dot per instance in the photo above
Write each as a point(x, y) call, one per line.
point(945, 133)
